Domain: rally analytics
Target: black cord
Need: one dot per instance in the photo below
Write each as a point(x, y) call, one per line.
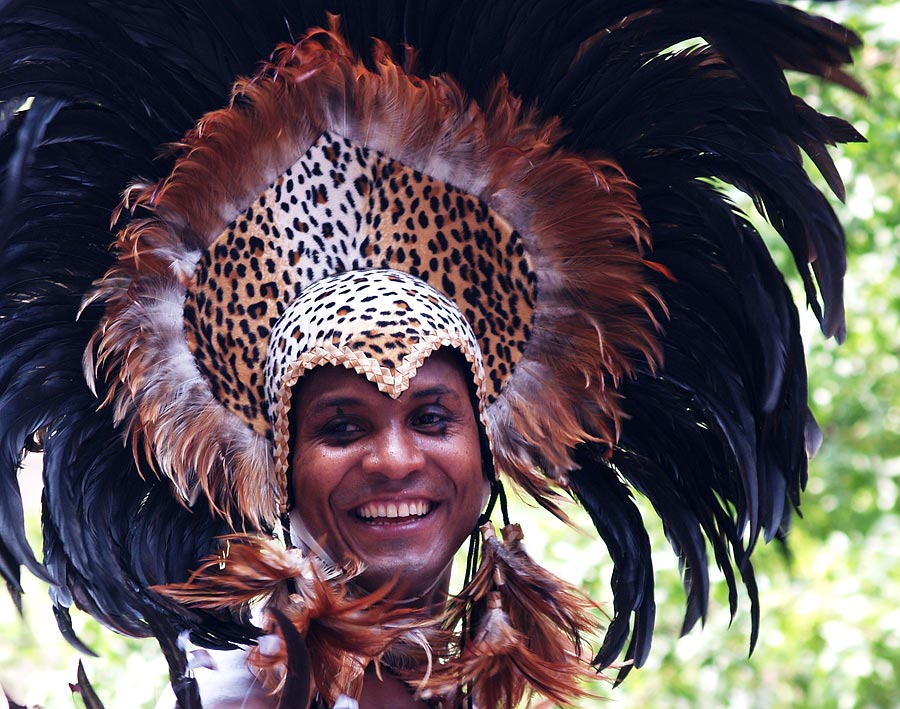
point(289, 544)
point(504, 506)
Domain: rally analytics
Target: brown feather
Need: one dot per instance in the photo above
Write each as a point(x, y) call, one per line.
point(554, 615)
point(525, 629)
point(502, 668)
point(343, 632)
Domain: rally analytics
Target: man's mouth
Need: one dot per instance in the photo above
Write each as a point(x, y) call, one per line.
point(394, 510)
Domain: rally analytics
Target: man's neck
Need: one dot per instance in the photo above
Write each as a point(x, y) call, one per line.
point(387, 691)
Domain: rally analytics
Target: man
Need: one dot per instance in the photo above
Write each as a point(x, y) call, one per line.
point(390, 471)
point(544, 168)
point(396, 485)
point(385, 482)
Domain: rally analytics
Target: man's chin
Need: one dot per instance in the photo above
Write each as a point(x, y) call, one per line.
point(412, 586)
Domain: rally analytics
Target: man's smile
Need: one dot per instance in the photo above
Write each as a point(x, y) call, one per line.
point(394, 510)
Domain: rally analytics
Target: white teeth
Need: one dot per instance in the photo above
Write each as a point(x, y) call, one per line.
point(392, 510)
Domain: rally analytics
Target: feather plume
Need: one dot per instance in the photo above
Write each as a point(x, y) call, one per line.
point(502, 667)
point(554, 615)
point(95, 123)
point(85, 689)
point(715, 433)
point(594, 317)
point(521, 633)
point(342, 632)
point(296, 686)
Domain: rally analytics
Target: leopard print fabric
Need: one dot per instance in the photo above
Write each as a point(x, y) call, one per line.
point(344, 207)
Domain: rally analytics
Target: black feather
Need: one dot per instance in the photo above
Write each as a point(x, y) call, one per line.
point(64, 623)
point(184, 684)
point(297, 683)
point(9, 570)
point(599, 488)
point(86, 690)
point(30, 132)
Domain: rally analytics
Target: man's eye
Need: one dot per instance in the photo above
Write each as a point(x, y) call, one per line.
point(340, 428)
point(429, 419)
point(434, 420)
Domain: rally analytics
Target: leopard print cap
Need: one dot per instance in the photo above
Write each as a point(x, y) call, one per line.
point(381, 323)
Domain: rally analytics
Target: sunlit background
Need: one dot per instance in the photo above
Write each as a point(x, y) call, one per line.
point(830, 616)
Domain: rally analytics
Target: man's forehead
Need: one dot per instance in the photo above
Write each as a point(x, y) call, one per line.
point(441, 375)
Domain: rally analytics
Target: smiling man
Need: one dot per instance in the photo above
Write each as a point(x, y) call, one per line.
point(397, 484)
point(391, 466)
point(376, 387)
point(394, 485)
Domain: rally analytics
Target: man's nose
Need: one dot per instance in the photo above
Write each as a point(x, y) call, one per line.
point(394, 453)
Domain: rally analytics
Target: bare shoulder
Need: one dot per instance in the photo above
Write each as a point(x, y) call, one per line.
point(225, 683)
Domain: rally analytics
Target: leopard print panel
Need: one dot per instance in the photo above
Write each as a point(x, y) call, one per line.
point(345, 207)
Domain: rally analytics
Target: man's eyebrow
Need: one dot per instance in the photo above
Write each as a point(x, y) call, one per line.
point(330, 402)
point(436, 390)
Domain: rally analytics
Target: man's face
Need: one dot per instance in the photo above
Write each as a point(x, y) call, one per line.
point(395, 483)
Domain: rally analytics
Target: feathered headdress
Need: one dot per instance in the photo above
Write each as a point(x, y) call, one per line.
point(635, 332)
